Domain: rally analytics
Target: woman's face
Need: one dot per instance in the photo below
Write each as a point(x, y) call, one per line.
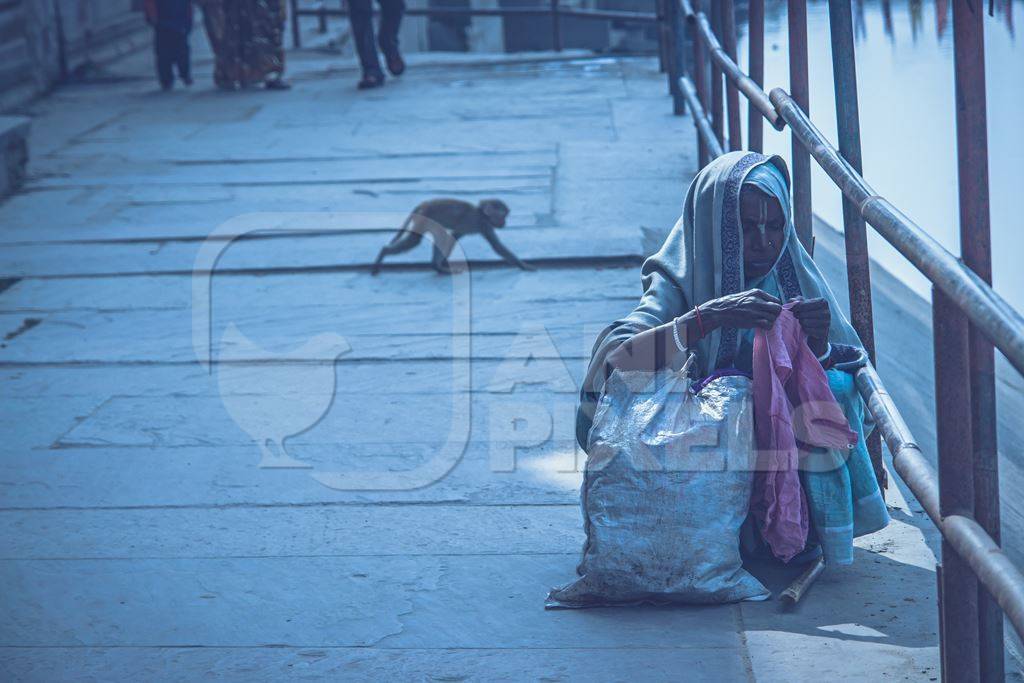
point(764, 226)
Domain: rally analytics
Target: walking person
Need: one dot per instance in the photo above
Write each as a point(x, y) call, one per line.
point(172, 22)
point(247, 37)
point(361, 18)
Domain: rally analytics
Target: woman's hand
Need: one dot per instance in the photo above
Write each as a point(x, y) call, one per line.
point(815, 318)
point(752, 308)
point(654, 348)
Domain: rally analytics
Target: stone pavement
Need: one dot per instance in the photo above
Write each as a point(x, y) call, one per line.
point(142, 539)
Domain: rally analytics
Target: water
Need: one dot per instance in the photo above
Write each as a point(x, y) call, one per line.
point(905, 81)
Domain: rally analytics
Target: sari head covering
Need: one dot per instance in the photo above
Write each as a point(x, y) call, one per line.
point(702, 259)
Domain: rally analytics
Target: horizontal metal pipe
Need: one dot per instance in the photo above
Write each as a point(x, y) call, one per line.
point(991, 565)
point(732, 71)
point(906, 454)
point(700, 118)
point(998, 321)
point(612, 15)
point(995, 571)
point(447, 11)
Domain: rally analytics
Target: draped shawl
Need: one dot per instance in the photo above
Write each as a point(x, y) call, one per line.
point(701, 260)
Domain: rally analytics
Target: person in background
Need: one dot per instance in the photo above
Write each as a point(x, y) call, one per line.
point(172, 22)
point(361, 18)
point(247, 37)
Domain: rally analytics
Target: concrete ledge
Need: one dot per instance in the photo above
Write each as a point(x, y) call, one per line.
point(14, 150)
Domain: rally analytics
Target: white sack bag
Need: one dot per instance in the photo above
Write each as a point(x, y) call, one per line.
point(666, 488)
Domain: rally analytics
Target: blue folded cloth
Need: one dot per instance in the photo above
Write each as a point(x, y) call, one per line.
point(842, 493)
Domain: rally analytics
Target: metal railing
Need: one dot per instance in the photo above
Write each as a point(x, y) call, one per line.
point(977, 582)
point(554, 10)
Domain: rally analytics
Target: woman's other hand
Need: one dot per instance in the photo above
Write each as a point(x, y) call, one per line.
point(752, 308)
point(815, 318)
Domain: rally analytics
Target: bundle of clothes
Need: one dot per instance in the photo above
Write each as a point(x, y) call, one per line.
point(814, 470)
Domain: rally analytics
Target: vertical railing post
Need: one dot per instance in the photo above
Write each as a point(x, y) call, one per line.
point(716, 76)
point(858, 271)
point(659, 12)
point(679, 42)
point(958, 610)
point(296, 35)
point(321, 18)
point(556, 26)
point(700, 82)
point(673, 53)
point(976, 251)
point(797, 10)
point(755, 45)
point(728, 24)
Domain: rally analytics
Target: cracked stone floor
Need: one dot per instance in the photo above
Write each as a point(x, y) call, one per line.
point(436, 501)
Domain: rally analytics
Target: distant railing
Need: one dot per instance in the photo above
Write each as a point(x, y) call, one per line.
point(975, 577)
point(554, 10)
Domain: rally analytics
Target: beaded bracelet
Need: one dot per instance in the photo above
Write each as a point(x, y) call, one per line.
point(675, 335)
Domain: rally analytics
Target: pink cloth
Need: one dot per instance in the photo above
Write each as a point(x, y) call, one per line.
point(792, 401)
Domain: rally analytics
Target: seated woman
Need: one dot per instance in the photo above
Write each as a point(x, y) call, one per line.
point(725, 270)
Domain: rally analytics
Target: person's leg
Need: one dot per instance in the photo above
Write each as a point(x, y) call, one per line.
point(391, 12)
point(215, 21)
point(361, 18)
point(270, 29)
point(164, 45)
point(184, 59)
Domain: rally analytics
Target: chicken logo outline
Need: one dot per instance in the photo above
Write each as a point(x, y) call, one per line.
point(303, 379)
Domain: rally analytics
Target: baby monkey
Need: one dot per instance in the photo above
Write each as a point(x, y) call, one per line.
point(459, 219)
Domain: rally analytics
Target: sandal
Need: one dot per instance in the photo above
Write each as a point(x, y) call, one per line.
point(371, 80)
point(396, 65)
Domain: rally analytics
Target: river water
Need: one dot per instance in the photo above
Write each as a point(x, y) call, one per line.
point(905, 81)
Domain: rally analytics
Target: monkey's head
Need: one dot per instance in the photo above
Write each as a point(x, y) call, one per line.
point(495, 211)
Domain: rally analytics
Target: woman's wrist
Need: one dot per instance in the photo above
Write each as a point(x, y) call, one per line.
point(707, 318)
point(698, 321)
